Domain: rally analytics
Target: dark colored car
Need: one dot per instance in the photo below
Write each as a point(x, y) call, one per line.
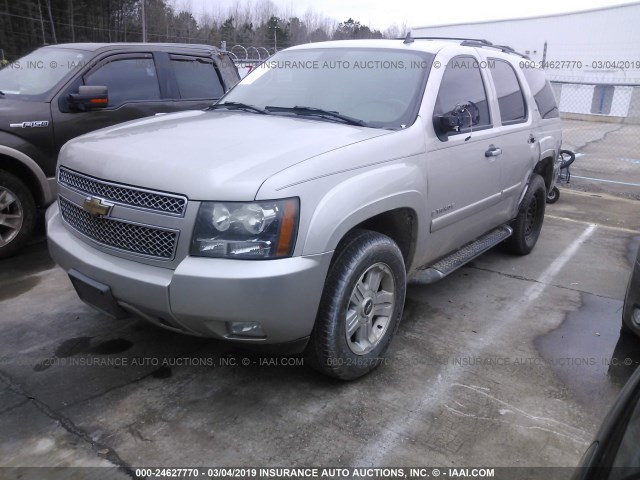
point(631, 310)
point(59, 92)
point(614, 454)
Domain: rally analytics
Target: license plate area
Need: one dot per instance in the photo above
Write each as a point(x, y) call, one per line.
point(96, 294)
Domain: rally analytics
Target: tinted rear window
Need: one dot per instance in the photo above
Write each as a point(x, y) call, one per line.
point(542, 93)
point(510, 97)
point(196, 77)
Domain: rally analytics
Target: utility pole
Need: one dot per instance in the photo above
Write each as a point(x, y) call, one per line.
point(53, 27)
point(73, 32)
point(44, 38)
point(275, 37)
point(144, 24)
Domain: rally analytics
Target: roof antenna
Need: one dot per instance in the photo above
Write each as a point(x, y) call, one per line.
point(408, 38)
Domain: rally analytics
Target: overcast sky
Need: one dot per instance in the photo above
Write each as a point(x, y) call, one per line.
point(383, 13)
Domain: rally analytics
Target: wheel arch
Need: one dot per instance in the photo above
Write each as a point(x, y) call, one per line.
point(27, 170)
point(544, 168)
point(397, 217)
point(399, 224)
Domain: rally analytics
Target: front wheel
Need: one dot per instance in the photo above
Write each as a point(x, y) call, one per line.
point(528, 224)
point(553, 196)
point(17, 214)
point(361, 306)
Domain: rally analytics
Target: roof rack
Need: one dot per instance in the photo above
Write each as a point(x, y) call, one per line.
point(410, 39)
point(502, 48)
point(468, 42)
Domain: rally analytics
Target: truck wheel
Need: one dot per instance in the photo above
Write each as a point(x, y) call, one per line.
point(17, 214)
point(528, 224)
point(553, 196)
point(625, 330)
point(626, 327)
point(361, 306)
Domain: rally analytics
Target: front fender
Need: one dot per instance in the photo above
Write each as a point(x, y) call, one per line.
point(346, 186)
point(381, 190)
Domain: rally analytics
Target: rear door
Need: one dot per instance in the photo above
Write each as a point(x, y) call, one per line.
point(199, 82)
point(513, 123)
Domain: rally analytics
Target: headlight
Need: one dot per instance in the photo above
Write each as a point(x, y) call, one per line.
point(256, 230)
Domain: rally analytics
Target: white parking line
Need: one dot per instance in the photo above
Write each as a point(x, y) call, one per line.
point(607, 181)
point(599, 225)
point(437, 393)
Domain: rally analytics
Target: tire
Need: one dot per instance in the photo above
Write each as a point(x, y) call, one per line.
point(626, 327)
point(366, 265)
point(567, 158)
point(553, 196)
point(17, 214)
point(625, 330)
point(528, 224)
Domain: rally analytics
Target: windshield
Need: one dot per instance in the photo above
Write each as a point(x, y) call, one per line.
point(381, 87)
point(37, 73)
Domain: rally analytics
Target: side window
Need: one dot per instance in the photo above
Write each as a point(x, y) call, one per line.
point(510, 97)
point(128, 80)
point(196, 77)
point(462, 85)
point(542, 93)
point(228, 70)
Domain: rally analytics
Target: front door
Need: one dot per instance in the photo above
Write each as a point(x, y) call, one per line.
point(134, 92)
point(463, 169)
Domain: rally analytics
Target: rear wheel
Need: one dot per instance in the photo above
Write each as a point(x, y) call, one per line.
point(553, 196)
point(528, 224)
point(17, 214)
point(361, 306)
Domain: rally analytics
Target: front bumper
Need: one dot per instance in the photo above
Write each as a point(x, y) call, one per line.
point(631, 310)
point(203, 296)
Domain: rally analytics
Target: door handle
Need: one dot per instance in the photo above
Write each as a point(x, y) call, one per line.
point(493, 152)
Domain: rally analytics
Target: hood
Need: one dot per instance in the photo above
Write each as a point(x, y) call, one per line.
point(214, 155)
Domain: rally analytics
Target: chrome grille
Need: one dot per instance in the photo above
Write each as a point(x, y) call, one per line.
point(136, 197)
point(130, 237)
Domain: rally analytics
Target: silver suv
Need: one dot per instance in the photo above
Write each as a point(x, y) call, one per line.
point(292, 211)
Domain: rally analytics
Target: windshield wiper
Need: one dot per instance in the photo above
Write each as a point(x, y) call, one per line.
point(238, 106)
point(318, 112)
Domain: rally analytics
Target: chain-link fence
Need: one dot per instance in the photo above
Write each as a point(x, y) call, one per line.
point(601, 123)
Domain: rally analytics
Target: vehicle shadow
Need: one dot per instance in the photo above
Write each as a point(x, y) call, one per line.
point(624, 359)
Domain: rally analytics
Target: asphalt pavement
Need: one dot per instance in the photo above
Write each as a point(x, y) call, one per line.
point(510, 361)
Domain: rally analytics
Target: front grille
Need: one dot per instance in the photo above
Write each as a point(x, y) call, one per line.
point(130, 237)
point(136, 197)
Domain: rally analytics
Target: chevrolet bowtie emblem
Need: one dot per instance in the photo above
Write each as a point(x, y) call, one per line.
point(96, 207)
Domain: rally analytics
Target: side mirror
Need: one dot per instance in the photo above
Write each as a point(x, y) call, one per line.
point(89, 98)
point(445, 123)
point(464, 115)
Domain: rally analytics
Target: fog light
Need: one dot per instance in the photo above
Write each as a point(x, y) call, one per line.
point(247, 329)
